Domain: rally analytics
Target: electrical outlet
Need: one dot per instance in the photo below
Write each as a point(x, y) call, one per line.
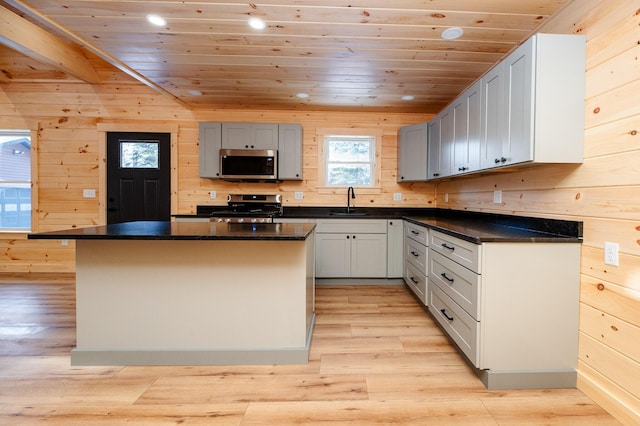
point(497, 197)
point(213, 195)
point(64, 242)
point(397, 196)
point(446, 197)
point(89, 193)
point(298, 195)
point(611, 254)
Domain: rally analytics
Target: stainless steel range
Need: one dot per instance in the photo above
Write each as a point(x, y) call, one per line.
point(246, 208)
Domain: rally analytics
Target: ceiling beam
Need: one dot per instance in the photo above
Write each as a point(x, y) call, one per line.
point(45, 21)
point(29, 39)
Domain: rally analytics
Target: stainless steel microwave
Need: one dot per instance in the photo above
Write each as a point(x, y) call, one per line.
point(249, 164)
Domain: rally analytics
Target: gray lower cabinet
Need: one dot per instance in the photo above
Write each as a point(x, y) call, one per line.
point(351, 248)
point(416, 264)
point(511, 308)
point(395, 243)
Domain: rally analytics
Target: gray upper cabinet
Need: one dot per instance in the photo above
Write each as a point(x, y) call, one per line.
point(209, 150)
point(533, 103)
point(249, 136)
point(285, 138)
point(412, 152)
point(467, 116)
point(441, 131)
point(290, 152)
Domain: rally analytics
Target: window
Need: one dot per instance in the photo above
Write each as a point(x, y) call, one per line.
point(139, 154)
point(349, 160)
point(15, 180)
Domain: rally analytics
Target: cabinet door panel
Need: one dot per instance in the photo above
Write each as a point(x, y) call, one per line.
point(412, 153)
point(492, 118)
point(333, 256)
point(264, 136)
point(290, 151)
point(433, 171)
point(519, 98)
point(209, 149)
point(368, 255)
point(236, 135)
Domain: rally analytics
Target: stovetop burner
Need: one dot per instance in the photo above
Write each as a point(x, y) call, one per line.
point(253, 208)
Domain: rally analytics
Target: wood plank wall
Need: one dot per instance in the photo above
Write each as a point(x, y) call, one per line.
point(68, 119)
point(604, 193)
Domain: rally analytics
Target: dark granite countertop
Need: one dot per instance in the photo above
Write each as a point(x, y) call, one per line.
point(184, 231)
point(482, 232)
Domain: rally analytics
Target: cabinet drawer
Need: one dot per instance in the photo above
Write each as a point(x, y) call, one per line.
point(417, 282)
point(417, 233)
point(458, 282)
point(417, 254)
point(458, 324)
point(463, 252)
point(351, 226)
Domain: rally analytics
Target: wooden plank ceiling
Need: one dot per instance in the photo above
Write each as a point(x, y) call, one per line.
point(345, 54)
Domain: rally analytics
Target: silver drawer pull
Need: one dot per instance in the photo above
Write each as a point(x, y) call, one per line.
point(446, 277)
point(415, 254)
point(444, 312)
point(448, 247)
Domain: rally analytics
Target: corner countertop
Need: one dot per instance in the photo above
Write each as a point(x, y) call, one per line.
point(157, 230)
point(482, 232)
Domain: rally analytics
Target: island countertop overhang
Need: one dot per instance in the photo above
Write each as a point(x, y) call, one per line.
point(165, 230)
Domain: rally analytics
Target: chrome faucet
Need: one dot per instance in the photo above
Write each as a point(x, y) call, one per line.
point(353, 195)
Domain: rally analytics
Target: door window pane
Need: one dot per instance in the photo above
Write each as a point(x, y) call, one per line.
point(15, 180)
point(139, 154)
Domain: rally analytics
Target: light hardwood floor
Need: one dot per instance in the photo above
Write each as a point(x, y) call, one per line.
point(376, 358)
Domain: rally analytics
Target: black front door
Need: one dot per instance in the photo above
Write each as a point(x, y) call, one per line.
point(138, 176)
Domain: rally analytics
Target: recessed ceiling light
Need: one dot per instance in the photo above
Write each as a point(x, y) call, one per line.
point(157, 20)
point(302, 95)
point(195, 92)
point(407, 98)
point(257, 23)
point(452, 33)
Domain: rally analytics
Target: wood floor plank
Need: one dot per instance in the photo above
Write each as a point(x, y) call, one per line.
point(376, 358)
point(366, 413)
point(244, 388)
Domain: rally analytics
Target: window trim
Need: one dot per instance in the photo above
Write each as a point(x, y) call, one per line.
point(321, 133)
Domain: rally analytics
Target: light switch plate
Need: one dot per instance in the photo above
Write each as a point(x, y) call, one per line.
point(298, 195)
point(397, 196)
point(89, 193)
point(497, 197)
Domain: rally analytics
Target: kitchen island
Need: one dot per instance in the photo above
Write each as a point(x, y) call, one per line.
point(168, 293)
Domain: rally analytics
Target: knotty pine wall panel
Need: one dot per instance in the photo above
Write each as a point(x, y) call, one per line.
point(603, 192)
point(69, 118)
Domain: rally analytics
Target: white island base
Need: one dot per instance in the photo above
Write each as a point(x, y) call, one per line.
point(194, 302)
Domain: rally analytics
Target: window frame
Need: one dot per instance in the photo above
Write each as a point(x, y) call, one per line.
point(376, 170)
point(371, 161)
